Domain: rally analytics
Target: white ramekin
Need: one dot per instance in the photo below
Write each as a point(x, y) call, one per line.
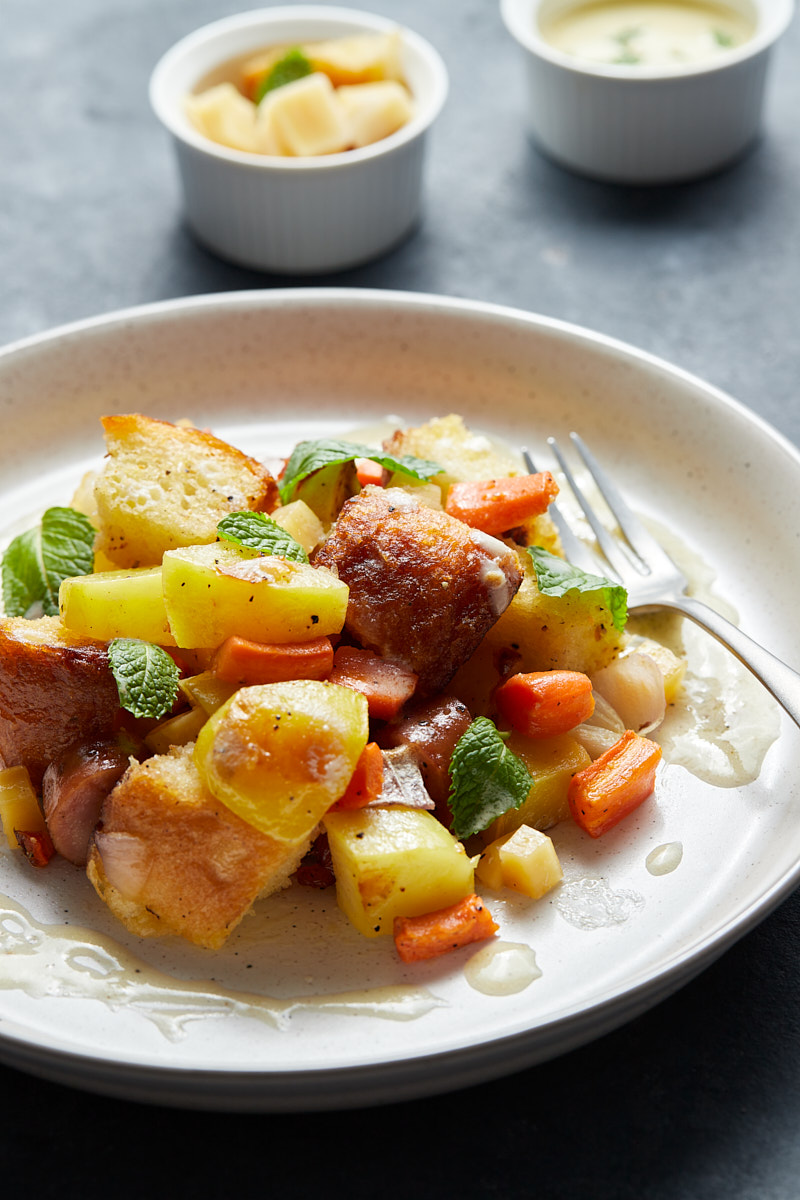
point(297, 215)
point(648, 125)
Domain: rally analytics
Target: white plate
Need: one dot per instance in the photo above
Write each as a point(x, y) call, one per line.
point(265, 368)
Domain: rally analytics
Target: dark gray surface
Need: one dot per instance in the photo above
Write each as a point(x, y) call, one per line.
point(701, 1097)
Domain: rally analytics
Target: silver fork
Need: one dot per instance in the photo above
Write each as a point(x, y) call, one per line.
point(651, 578)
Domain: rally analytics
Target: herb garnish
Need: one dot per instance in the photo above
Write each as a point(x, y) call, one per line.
point(486, 778)
point(555, 577)
point(257, 531)
point(36, 562)
point(146, 676)
point(311, 456)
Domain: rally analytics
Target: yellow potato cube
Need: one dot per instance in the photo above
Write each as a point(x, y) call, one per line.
point(301, 522)
point(19, 806)
point(206, 692)
point(394, 862)
point(225, 116)
point(374, 110)
point(114, 604)
point(552, 764)
point(307, 117)
point(525, 861)
point(176, 731)
point(360, 58)
point(280, 754)
point(212, 592)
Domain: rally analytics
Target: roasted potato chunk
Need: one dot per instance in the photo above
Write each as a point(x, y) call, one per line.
point(424, 587)
point(56, 688)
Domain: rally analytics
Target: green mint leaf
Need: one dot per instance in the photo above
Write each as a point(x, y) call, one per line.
point(294, 65)
point(146, 676)
point(486, 779)
point(257, 531)
point(555, 577)
point(311, 456)
point(36, 562)
point(723, 38)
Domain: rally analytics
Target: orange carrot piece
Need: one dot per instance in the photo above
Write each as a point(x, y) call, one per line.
point(496, 505)
point(386, 685)
point(37, 846)
point(543, 704)
point(614, 784)
point(366, 782)
point(243, 662)
point(418, 938)
point(368, 471)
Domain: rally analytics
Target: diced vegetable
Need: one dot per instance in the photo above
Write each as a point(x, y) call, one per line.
point(551, 764)
point(206, 691)
point(37, 846)
point(117, 604)
point(386, 685)
point(615, 784)
point(19, 805)
point(243, 662)
point(176, 731)
point(525, 861)
point(370, 472)
point(394, 862)
point(301, 522)
point(497, 505)
point(428, 936)
point(213, 592)
point(366, 783)
point(543, 704)
point(279, 755)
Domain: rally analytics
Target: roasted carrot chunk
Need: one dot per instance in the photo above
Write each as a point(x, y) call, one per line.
point(418, 938)
point(366, 782)
point(37, 846)
point(614, 784)
point(543, 704)
point(496, 505)
point(244, 662)
point(386, 685)
point(370, 472)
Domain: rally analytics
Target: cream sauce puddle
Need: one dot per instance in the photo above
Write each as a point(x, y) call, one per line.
point(65, 961)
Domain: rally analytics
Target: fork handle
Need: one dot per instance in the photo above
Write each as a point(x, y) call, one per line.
point(776, 676)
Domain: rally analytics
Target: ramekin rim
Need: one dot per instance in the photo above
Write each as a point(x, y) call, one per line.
point(527, 37)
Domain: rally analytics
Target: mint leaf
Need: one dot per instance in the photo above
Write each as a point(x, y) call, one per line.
point(555, 577)
point(36, 562)
point(146, 676)
point(311, 456)
point(257, 531)
point(486, 778)
point(293, 65)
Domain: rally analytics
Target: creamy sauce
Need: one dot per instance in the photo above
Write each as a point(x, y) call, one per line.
point(664, 859)
point(502, 968)
point(65, 961)
point(591, 903)
point(651, 33)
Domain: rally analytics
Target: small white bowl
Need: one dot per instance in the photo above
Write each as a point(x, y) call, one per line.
point(297, 215)
point(645, 125)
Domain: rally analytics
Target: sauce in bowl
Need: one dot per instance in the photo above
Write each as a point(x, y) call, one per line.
point(646, 33)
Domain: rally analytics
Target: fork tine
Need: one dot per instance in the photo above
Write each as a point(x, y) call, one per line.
point(649, 553)
point(576, 551)
point(610, 546)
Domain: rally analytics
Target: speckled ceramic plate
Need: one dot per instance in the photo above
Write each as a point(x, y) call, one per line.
point(299, 1012)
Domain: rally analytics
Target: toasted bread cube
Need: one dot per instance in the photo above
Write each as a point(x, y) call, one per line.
point(307, 117)
point(374, 110)
point(164, 486)
point(56, 688)
point(224, 115)
point(170, 859)
point(465, 456)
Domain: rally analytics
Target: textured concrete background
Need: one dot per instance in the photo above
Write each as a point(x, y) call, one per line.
point(701, 1097)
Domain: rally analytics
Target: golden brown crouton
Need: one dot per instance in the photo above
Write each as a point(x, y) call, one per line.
point(56, 689)
point(424, 587)
point(168, 858)
point(164, 486)
point(467, 456)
